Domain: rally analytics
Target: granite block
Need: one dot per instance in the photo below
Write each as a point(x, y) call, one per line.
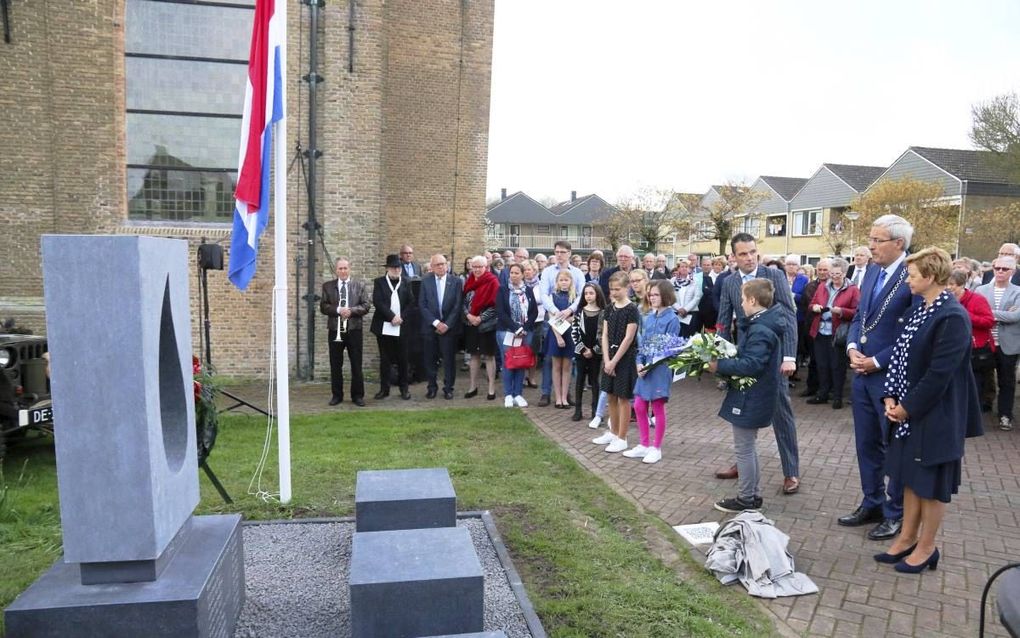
point(119, 329)
point(404, 499)
point(410, 583)
point(484, 634)
point(200, 593)
point(1008, 596)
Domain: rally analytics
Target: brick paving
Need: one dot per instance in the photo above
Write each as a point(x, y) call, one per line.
point(857, 596)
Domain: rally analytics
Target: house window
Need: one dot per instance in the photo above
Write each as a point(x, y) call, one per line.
point(775, 226)
point(542, 229)
point(185, 74)
point(564, 232)
point(807, 222)
point(749, 225)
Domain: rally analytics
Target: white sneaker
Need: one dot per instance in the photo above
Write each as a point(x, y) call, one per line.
point(654, 455)
point(618, 445)
point(595, 422)
point(636, 452)
point(508, 401)
point(520, 402)
point(605, 439)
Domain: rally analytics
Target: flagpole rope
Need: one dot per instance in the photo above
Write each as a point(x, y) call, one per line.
point(255, 484)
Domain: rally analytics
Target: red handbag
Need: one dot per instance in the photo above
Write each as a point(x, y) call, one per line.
point(519, 358)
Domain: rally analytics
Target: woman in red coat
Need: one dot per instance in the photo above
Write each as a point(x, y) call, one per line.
point(981, 322)
point(480, 290)
point(834, 303)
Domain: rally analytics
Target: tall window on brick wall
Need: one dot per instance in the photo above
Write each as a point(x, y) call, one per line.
point(186, 67)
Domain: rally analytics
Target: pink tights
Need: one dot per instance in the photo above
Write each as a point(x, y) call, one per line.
point(659, 409)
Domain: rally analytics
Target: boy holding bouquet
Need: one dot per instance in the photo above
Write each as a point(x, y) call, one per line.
point(759, 355)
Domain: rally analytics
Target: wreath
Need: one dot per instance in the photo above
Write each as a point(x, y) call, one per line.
point(206, 417)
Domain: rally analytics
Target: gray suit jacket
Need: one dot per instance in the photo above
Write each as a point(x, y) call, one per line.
point(729, 305)
point(1007, 316)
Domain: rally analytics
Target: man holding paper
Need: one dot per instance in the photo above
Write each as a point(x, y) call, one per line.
point(391, 296)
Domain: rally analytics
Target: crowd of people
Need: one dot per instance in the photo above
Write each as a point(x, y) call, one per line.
point(928, 343)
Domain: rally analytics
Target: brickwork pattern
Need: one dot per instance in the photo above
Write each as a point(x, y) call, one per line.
point(858, 597)
point(394, 167)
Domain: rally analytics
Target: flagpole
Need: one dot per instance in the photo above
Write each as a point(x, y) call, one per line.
point(280, 285)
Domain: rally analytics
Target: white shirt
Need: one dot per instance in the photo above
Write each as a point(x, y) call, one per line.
point(440, 289)
point(549, 286)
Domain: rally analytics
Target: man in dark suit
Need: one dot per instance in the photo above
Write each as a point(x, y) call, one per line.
point(855, 273)
point(345, 302)
point(624, 262)
point(392, 297)
point(439, 307)
point(885, 301)
point(720, 280)
point(412, 271)
point(648, 263)
point(746, 253)
point(409, 268)
point(1006, 250)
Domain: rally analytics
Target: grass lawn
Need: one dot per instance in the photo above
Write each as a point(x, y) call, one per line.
point(592, 563)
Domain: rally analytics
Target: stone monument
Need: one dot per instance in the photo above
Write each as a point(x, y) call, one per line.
point(136, 562)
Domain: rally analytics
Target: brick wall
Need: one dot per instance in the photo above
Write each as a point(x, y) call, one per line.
point(404, 140)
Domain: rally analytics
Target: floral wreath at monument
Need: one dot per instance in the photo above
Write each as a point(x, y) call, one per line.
point(206, 418)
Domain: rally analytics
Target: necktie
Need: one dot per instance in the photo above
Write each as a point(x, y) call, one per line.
point(878, 285)
point(747, 278)
point(439, 292)
point(343, 294)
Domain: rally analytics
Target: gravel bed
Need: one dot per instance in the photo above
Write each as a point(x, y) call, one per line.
point(296, 581)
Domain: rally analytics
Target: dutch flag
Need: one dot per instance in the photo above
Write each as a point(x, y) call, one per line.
point(263, 105)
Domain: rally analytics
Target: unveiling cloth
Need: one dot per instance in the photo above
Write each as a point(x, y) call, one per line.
point(750, 548)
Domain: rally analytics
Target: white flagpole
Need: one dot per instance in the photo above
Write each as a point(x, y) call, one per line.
point(280, 285)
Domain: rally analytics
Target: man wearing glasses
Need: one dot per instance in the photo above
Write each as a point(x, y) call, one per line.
point(1006, 250)
point(1004, 297)
point(885, 299)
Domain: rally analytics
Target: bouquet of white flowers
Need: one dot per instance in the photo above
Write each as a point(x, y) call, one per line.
point(693, 358)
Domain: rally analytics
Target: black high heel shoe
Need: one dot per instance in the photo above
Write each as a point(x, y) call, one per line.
point(490, 397)
point(892, 559)
point(904, 567)
point(471, 393)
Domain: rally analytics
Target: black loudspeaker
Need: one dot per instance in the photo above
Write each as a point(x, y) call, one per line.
point(210, 257)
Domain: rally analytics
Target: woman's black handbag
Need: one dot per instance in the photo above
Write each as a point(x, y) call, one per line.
point(982, 358)
point(488, 318)
point(840, 335)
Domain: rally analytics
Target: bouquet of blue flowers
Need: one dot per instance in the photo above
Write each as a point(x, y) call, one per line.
point(693, 358)
point(659, 349)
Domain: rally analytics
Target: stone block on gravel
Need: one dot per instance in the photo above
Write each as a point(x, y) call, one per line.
point(419, 582)
point(404, 499)
point(484, 634)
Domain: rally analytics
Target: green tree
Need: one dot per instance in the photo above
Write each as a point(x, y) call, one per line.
point(921, 203)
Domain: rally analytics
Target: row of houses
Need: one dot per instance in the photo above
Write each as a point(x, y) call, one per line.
point(793, 214)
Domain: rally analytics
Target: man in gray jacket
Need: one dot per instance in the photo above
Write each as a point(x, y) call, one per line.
point(746, 253)
point(1004, 298)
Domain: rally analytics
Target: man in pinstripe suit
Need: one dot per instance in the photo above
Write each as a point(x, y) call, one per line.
point(746, 253)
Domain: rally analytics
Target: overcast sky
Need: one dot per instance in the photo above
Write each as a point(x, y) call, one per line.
point(607, 97)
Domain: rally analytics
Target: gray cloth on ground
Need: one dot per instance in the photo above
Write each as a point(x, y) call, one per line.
point(749, 548)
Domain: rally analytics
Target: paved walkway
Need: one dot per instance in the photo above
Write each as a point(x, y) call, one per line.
point(858, 597)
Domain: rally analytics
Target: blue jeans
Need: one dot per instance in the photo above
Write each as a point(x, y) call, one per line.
point(513, 380)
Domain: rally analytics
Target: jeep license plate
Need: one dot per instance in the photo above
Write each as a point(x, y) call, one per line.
point(35, 416)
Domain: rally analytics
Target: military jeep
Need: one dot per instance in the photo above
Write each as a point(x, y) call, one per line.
point(24, 387)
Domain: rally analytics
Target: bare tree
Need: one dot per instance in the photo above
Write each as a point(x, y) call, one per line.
point(648, 215)
point(735, 198)
point(996, 128)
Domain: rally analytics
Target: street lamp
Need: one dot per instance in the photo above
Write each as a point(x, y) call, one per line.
point(853, 216)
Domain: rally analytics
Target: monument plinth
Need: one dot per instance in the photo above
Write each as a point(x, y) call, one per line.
point(136, 562)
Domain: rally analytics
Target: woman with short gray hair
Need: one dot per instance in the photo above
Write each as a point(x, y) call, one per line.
point(832, 309)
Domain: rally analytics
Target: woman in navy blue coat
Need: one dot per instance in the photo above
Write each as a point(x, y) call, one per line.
point(932, 404)
point(516, 311)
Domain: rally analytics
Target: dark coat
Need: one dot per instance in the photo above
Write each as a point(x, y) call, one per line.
point(717, 288)
point(759, 355)
point(504, 317)
point(941, 399)
point(882, 337)
point(729, 305)
point(381, 301)
point(707, 306)
point(428, 303)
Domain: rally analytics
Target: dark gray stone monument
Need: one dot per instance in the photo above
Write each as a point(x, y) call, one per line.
point(404, 499)
point(420, 582)
point(136, 562)
point(484, 634)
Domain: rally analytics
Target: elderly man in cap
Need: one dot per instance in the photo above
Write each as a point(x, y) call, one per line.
point(392, 298)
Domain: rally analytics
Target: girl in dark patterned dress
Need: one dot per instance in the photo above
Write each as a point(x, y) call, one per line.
point(619, 361)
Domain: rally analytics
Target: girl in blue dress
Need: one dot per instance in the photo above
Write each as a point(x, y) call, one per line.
point(560, 346)
point(652, 387)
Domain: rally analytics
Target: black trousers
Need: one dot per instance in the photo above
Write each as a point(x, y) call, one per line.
point(587, 372)
point(352, 343)
point(393, 351)
point(440, 347)
point(832, 364)
point(1005, 374)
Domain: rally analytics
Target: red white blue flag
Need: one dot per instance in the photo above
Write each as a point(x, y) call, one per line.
point(263, 105)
